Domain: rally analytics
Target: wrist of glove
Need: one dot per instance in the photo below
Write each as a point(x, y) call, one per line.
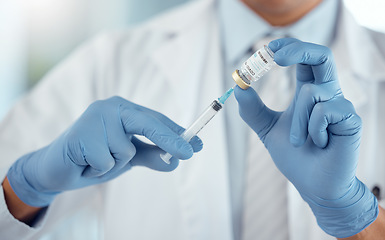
point(25, 188)
point(348, 215)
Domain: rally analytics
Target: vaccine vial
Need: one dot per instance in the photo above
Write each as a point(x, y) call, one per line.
point(254, 68)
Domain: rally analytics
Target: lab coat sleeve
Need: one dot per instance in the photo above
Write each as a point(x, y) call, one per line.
point(47, 110)
point(11, 228)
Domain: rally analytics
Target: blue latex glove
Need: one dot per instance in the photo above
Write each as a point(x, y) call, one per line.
point(98, 147)
point(315, 142)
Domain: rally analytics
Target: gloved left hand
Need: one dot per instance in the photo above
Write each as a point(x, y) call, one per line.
point(98, 147)
point(315, 142)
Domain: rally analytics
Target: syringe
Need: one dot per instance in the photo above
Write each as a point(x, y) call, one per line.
point(201, 121)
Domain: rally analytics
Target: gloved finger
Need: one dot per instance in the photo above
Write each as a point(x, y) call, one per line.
point(254, 112)
point(304, 72)
point(348, 123)
point(289, 52)
point(149, 156)
point(86, 146)
point(124, 155)
point(113, 173)
point(119, 143)
point(304, 75)
point(98, 157)
point(277, 44)
point(307, 98)
point(195, 142)
point(318, 124)
point(336, 117)
point(141, 123)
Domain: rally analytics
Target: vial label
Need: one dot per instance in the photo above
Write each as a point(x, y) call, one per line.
point(258, 64)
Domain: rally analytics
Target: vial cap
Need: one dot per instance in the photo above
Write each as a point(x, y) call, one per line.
point(239, 81)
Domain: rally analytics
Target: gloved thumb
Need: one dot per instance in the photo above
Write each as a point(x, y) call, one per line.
point(254, 112)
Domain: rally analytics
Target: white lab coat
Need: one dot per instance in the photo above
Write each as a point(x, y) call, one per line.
point(173, 65)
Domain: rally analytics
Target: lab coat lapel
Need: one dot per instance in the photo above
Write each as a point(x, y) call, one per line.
point(352, 50)
point(180, 61)
point(182, 57)
point(192, 66)
point(357, 59)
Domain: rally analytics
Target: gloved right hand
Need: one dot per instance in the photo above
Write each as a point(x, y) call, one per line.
point(315, 141)
point(98, 147)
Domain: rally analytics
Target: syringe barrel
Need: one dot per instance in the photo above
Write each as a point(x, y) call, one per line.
point(201, 121)
point(197, 125)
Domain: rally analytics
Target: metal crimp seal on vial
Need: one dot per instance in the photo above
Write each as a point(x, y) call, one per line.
point(239, 81)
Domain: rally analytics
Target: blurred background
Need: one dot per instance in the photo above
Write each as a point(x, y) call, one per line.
point(36, 34)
